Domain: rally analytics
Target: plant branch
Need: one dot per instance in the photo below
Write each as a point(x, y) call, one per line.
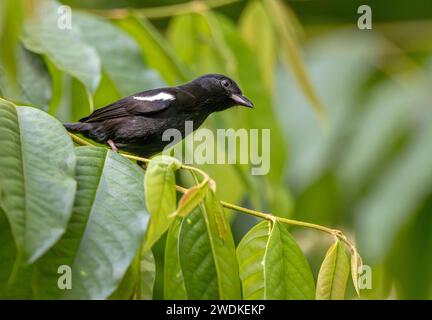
point(334, 232)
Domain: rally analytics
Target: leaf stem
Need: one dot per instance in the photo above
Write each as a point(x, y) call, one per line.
point(334, 232)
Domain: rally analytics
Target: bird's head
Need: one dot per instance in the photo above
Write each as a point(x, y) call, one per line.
point(220, 92)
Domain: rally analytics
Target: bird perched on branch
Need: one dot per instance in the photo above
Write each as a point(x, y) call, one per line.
point(136, 123)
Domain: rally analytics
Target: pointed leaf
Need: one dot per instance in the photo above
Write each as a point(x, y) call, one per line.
point(196, 258)
point(250, 253)
point(65, 47)
point(21, 286)
point(119, 53)
point(190, 200)
point(287, 273)
point(272, 266)
point(256, 28)
point(333, 274)
point(33, 80)
point(156, 49)
point(282, 23)
point(161, 197)
point(174, 288)
point(147, 275)
point(37, 185)
point(105, 231)
point(356, 264)
point(129, 284)
point(207, 253)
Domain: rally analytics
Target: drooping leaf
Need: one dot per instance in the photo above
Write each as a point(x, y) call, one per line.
point(57, 82)
point(120, 55)
point(288, 275)
point(333, 274)
point(281, 19)
point(192, 39)
point(11, 20)
point(256, 28)
point(262, 118)
point(37, 164)
point(196, 258)
point(191, 199)
point(250, 254)
point(147, 275)
point(223, 247)
point(129, 284)
point(272, 265)
point(34, 84)
point(14, 284)
point(161, 196)
point(139, 279)
point(174, 288)
point(207, 253)
point(158, 52)
point(105, 231)
point(64, 46)
point(356, 264)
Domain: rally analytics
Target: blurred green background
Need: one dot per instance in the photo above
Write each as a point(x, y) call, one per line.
point(366, 169)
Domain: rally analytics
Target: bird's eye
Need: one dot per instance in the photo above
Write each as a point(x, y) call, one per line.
point(226, 83)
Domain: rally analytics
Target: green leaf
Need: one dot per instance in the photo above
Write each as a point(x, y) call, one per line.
point(174, 287)
point(250, 254)
point(263, 116)
point(191, 199)
point(147, 275)
point(257, 30)
point(207, 253)
point(119, 53)
point(21, 286)
point(272, 266)
point(288, 275)
point(282, 23)
point(156, 49)
point(33, 80)
point(37, 164)
point(196, 258)
point(105, 230)
point(356, 263)
point(57, 87)
point(333, 274)
point(128, 286)
point(161, 197)
point(139, 279)
point(192, 39)
point(65, 47)
point(11, 20)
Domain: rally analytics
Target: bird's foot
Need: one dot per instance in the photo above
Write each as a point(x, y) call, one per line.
point(112, 145)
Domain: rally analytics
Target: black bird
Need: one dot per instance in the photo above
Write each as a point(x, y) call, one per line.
point(136, 123)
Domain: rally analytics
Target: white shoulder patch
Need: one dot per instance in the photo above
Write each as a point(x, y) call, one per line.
point(160, 96)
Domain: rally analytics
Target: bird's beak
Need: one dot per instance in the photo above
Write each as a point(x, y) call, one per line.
point(241, 100)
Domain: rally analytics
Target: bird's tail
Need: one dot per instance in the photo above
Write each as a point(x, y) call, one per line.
point(77, 127)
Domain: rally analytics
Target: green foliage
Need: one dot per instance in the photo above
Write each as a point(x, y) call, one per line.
point(368, 169)
point(282, 272)
point(37, 164)
point(66, 48)
point(160, 196)
point(333, 275)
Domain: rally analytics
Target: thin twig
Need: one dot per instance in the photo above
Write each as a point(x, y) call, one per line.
point(334, 232)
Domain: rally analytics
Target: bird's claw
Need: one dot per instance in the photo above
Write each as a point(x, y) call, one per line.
point(112, 145)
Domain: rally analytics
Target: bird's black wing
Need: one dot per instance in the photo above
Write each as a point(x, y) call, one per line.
point(132, 105)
